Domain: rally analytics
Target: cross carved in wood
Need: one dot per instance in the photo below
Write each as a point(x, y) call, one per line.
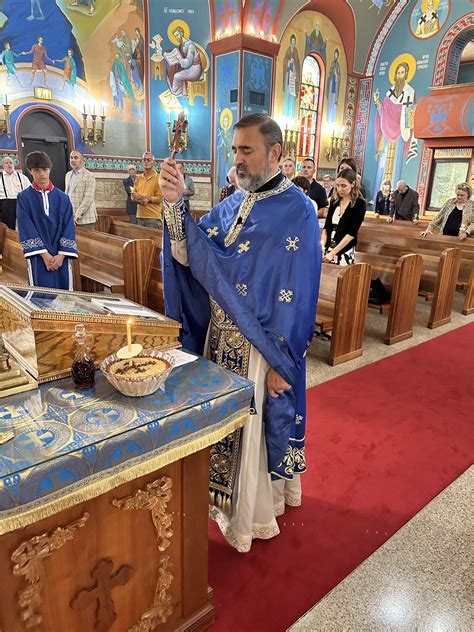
point(101, 593)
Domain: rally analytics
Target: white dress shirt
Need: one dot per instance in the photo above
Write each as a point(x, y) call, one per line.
point(11, 185)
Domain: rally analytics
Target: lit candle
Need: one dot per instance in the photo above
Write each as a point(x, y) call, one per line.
point(84, 108)
point(103, 109)
point(6, 98)
point(129, 334)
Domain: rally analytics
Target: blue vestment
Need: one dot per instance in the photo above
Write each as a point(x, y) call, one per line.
point(46, 224)
point(258, 255)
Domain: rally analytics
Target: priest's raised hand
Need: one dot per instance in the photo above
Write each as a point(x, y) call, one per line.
point(171, 181)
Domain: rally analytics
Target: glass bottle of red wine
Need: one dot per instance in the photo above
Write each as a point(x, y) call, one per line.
point(83, 369)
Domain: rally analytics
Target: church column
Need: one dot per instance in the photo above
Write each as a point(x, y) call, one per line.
point(244, 77)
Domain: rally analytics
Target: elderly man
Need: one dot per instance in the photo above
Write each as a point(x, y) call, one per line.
point(404, 205)
point(233, 185)
point(328, 185)
point(80, 186)
point(129, 183)
point(245, 279)
point(147, 194)
point(12, 182)
point(288, 168)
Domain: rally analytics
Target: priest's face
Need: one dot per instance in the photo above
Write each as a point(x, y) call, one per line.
point(254, 161)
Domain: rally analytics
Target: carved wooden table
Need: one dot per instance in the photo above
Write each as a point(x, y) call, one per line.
point(104, 502)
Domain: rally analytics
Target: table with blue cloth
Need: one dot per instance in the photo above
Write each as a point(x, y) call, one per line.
point(104, 502)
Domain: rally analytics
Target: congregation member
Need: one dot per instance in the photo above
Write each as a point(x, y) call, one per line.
point(350, 163)
point(303, 185)
point(405, 205)
point(288, 168)
point(13, 182)
point(80, 186)
point(316, 191)
point(383, 199)
point(345, 216)
point(46, 227)
point(232, 185)
point(147, 194)
point(245, 280)
point(129, 183)
point(189, 188)
point(456, 218)
point(327, 185)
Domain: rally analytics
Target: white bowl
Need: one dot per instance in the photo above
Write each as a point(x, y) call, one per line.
point(138, 386)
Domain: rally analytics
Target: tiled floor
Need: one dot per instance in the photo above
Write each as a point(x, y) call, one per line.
point(418, 581)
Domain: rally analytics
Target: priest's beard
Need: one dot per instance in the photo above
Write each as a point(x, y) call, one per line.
point(399, 86)
point(250, 182)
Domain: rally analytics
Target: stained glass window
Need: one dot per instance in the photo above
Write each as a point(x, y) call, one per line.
point(309, 103)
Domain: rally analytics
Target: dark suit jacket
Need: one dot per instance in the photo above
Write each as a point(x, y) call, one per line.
point(131, 205)
point(405, 206)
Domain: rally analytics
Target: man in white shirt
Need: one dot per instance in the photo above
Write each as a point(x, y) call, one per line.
point(11, 183)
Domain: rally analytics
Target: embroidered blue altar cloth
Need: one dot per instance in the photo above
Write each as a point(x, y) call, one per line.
point(67, 441)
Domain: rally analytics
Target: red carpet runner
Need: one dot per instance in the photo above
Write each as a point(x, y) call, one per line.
point(382, 441)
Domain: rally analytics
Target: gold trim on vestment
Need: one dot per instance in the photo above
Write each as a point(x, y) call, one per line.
point(103, 482)
point(247, 205)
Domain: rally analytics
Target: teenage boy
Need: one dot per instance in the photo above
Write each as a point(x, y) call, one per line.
point(46, 227)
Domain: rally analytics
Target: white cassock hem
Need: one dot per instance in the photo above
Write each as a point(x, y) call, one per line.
point(256, 500)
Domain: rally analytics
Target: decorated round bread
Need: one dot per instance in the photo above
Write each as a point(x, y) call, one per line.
point(138, 368)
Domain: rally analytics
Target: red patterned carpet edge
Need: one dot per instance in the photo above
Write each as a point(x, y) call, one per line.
point(382, 442)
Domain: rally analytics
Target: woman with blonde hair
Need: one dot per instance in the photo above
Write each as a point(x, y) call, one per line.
point(456, 218)
point(345, 215)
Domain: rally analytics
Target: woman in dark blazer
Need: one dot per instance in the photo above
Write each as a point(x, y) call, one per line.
point(345, 215)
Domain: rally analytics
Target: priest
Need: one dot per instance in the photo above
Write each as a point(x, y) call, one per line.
point(244, 284)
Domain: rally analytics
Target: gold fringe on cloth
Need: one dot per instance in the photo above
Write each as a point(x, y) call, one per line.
point(103, 482)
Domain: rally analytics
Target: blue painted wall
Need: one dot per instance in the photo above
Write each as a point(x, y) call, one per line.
point(403, 41)
point(226, 115)
point(194, 16)
point(257, 79)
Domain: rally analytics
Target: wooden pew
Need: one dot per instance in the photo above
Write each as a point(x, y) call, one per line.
point(342, 307)
point(401, 275)
point(393, 239)
point(13, 262)
point(125, 230)
point(115, 263)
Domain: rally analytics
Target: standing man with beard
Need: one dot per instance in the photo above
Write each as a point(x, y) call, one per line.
point(245, 280)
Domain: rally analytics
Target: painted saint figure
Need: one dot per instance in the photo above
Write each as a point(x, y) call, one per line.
point(37, 4)
point(224, 146)
point(70, 71)
point(183, 63)
point(89, 4)
point(7, 57)
point(138, 59)
point(428, 23)
point(39, 56)
point(291, 79)
point(119, 83)
point(315, 43)
point(333, 85)
point(394, 140)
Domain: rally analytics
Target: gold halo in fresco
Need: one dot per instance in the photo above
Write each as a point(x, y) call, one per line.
point(230, 118)
point(407, 59)
point(424, 5)
point(172, 28)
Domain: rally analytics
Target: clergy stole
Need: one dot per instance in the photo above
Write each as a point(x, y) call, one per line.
point(229, 349)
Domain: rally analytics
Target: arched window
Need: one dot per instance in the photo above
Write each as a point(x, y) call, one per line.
point(466, 67)
point(309, 106)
